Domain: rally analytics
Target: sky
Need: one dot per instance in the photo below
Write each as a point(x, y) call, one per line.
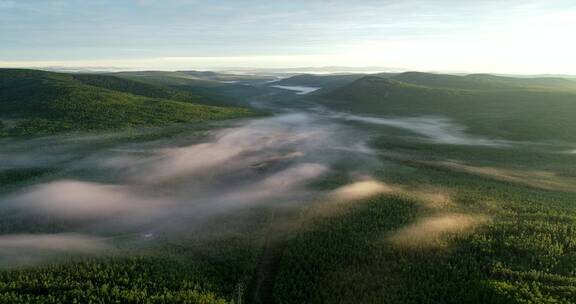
point(500, 36)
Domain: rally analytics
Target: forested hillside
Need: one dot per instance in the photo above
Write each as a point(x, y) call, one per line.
point(215, 88)
point(480, 81)
point(140, 88)
point(495, 106)
point(37, 102)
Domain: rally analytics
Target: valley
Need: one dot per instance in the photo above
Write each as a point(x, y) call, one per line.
point(385, 188)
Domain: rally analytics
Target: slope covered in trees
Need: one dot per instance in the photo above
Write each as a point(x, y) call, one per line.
point(523, 254)
point(39, 102)
point(501, 108)
point(140, 88)
point(481, 81)
point(215, 88)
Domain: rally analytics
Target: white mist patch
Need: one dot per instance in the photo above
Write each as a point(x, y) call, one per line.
point(180, 161)
point(293, 176)
point(438, 130)
point(434, 231)
point(432, 199)
point(301, 90)
point(340, 200)
point(273, 189)
point(360, 190)
point(76, 199)
point(251, 145)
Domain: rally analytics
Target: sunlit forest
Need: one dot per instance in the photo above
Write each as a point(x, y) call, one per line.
point(287, 152)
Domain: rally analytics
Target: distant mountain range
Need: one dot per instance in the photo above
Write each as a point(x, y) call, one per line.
point(296, 71)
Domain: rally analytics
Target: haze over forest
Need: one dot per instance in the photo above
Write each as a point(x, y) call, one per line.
point(322, 151)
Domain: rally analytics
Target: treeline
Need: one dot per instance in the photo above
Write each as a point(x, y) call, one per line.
point(112, 280)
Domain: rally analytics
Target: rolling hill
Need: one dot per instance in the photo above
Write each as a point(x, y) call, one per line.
point(36, 102)
point(503, 107)
point(216, 88)
point(167, 78)
point(141, 88)
point(466, 82)
point(481, 81)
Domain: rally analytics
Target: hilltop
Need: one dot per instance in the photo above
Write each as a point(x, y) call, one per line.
point(481, 81)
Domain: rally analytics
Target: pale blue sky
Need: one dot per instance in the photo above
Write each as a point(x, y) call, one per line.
point(476, 35)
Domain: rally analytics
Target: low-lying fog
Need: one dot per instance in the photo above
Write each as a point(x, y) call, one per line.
point(300, 90)
point(168, 186)
point(438, 130)
point(172, 185)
